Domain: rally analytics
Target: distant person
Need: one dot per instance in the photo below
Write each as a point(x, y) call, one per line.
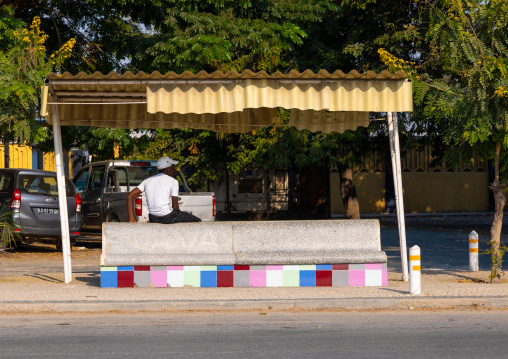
point(161, 193)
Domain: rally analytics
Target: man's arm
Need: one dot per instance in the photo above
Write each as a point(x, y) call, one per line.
point(130, 197)
point(174, 203)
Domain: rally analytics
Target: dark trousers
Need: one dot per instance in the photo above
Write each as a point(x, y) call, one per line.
point(174, 217)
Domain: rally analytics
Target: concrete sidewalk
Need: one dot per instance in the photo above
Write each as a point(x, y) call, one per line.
point(32, 280)
point(47, 293)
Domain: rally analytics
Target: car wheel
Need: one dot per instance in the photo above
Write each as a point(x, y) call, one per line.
point(113, 219)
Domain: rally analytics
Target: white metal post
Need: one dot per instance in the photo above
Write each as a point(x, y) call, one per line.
point(62, 197)
point(393, 129)
point(473, 252)
point(415, 271)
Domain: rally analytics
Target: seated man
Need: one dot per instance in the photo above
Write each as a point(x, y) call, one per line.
point(161, 193)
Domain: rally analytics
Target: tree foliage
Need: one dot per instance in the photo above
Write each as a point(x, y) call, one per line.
point(469, 50)
point(24, 64)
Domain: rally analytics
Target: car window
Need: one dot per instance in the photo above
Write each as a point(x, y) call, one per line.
point(80, 180)
point(117, 180)
point(42, 184)
point(96, 178)
point(139, 174)
point(5, 181)
point(180, 182)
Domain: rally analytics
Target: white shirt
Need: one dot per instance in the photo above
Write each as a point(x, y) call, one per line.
point(158, 190)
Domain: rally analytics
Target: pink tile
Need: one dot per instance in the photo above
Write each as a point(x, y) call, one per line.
point(384, 277)
point(175, 267)
point(258, 278)
point(356, 278)
point(372, 266)
point(159, 278)
point(274, 267)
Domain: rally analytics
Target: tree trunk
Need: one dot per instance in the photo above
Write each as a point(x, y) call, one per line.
point(348, 192)
point(6, 153)
point(498, 189)
point(228, 203)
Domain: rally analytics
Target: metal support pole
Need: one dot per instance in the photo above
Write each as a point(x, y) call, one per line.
point(393, 129)
point(62, 197)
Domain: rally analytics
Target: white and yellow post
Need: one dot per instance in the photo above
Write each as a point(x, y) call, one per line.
point(415, 270)
point(473, 252)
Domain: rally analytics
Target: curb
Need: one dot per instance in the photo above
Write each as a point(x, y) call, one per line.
point(500, 302)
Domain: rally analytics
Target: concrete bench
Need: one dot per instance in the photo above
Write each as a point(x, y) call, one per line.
point(235, 249)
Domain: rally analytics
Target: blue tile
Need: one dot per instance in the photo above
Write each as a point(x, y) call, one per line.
point(109, 279)
point(307, 278)
point(209, 279)
point(224, 267)
point(125, 268)
point(324, 267)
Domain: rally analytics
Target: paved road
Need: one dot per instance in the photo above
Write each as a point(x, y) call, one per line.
point(444, 334)
point(446, 250)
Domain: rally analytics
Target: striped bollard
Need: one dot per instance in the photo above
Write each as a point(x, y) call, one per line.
point(415, 279)
point(473, 252)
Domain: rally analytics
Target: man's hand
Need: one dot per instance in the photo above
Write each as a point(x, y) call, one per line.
point(174, 203)
point(130, 208)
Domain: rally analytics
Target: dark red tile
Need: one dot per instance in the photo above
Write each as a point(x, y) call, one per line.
point(225, 278)
point(125, 279)
point(323, 278)
point(340, 267)
point(241, 267)
point(142, 268)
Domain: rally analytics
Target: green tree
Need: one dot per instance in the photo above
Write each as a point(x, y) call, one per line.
point(24, 65)
point(469, 42)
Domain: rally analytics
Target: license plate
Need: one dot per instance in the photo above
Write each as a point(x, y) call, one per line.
point(47, 210)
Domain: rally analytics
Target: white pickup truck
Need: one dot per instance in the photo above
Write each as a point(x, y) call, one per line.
point(103, 187)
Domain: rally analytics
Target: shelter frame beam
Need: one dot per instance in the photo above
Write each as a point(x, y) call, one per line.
point(62, 196)
point(393, 131)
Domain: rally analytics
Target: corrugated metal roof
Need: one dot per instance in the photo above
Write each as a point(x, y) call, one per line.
point(218, 75)
point(228, 102)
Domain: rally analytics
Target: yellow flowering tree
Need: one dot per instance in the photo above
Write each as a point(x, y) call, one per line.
point(24, 65)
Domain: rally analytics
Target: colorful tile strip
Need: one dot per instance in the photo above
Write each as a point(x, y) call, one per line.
point(320, 275)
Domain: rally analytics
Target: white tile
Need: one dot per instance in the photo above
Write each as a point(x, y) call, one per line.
point(191, 268)
point(373, 278)
point(175, 278)
point(274, 278)
point(291, 267)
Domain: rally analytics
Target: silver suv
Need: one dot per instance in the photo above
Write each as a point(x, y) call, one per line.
point(32, 198)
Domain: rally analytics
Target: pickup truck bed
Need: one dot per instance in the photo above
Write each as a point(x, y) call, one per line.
point(104, 186)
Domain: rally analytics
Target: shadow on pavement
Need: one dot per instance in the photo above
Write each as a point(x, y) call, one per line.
point(93, 280)
point(43, 277)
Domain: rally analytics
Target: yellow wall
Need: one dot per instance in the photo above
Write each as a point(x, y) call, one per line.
point(48, 161)
point(424, 192)
point(21, 157)
point(370, 189)
point(446, 192)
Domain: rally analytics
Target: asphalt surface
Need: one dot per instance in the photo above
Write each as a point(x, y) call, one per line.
point(31, 280)
point(290, 334)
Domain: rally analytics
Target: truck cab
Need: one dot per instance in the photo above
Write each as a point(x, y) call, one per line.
point(104, 186)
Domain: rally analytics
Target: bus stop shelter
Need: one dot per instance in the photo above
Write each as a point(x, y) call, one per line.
point(225, 102)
